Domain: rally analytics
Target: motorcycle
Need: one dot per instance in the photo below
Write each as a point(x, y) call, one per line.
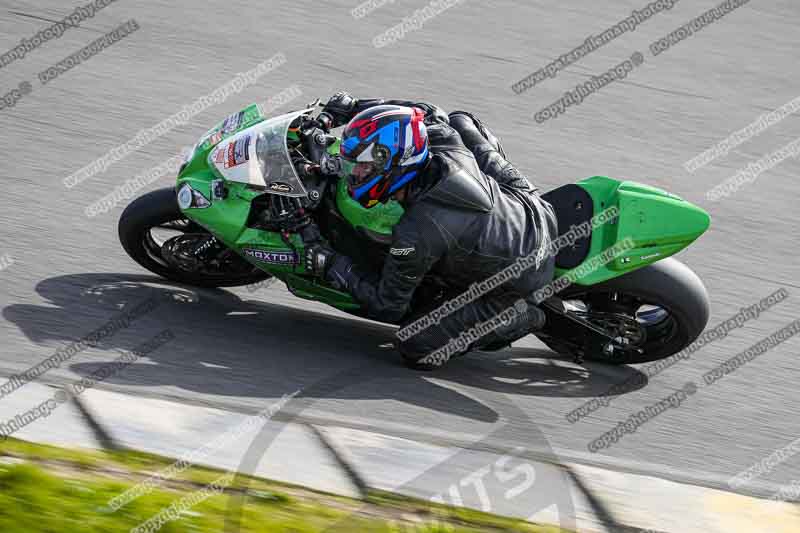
point(256, 190)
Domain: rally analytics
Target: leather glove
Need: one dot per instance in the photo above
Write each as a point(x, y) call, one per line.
point(318, 259)
point(336, 269)
point(340, 108)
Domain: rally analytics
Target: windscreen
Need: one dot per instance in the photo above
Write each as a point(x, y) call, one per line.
point(259, 157)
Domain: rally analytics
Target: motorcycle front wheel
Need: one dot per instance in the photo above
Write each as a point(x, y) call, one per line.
point(157, 235)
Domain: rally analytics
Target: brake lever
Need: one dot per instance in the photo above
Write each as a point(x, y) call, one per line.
point(330, 165)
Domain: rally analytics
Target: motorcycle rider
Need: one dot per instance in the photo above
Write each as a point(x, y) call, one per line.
point(468, 214)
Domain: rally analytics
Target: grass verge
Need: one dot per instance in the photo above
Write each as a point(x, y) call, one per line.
point(47, 489)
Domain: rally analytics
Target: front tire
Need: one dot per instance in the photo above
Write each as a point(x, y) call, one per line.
point(159, 209)
point(666, 302)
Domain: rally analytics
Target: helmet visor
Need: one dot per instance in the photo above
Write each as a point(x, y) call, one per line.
point(360, 175)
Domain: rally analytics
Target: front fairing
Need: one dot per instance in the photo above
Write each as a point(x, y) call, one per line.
point(258, 156)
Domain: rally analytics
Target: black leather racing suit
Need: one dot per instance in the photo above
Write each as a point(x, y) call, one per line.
point(467, 216)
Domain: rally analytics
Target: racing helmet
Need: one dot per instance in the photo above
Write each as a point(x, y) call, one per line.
point(383, 148)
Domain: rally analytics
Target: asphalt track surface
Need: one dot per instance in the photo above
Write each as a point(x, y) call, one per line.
point(242, 350)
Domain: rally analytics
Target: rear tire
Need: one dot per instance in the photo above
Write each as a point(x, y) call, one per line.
point(160, 207)
point(668, 284)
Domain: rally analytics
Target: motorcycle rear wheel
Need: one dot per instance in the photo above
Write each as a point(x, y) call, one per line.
point(660, 309)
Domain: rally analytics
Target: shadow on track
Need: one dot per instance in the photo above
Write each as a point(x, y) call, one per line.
point(229, 346)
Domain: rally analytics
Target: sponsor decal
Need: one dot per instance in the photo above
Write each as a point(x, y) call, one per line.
point(230, 159)
point(279, 186)
point(219, 156)
point(273, 258)
point(214, 138)
point(242, 152)
point(402, 251)
point(238, 152)
point(218, 191)
point(232, 123)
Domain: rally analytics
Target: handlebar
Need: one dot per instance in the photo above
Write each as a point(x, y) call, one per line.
point(316, 140)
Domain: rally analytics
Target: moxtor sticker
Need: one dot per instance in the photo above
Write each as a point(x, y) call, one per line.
point(273, 258)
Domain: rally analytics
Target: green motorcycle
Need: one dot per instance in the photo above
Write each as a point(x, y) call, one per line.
point(254, 190)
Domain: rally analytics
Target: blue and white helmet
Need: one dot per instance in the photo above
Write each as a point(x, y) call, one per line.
point(383, 148)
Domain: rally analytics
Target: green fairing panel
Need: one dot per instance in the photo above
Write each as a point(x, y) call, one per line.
point(226, 217)
point(379, 219)
point(232, 125)
point(660, 224)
